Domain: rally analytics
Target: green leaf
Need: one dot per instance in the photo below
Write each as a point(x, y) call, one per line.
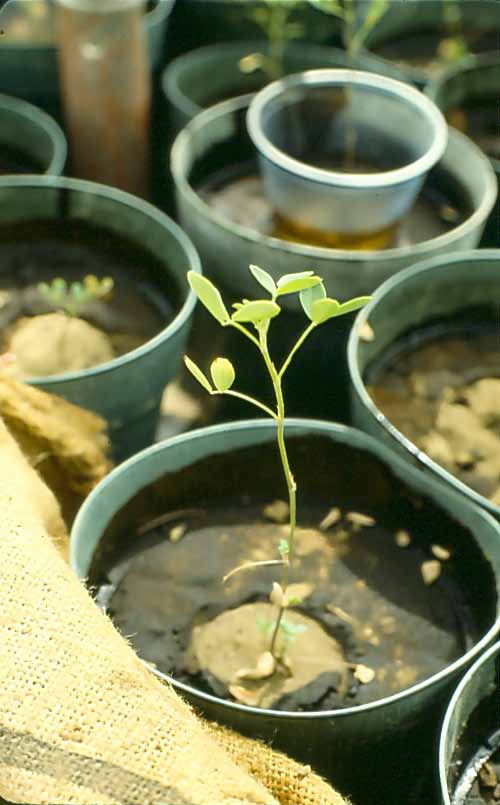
point(264, 624)
point(223, 374)
point(299, 284)
point(198, 374)
point(309, 295)
point(260, 310)
point(295, 601)
point(292, 629)
point(209, 296)
point(263, 278)
point(329, 7)
point(324, 309)
point(283, 548)
point(354, 304)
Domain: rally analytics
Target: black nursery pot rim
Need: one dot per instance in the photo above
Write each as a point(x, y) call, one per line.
point(471, 64)
point(305, 427)
point(457, 695)
point(37, 117)
point(127, 199)
point(352, 350)
point(179, 161)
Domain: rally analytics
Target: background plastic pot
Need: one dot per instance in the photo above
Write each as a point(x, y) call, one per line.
point(205, 76)
point(465, 84)
point(216, 145)
point(400, 32)
point(29, 70)
point(31, 132)
point(127, 390)
point(370, 751)
point(442, 287)
point(298, 122)
point(479, 688)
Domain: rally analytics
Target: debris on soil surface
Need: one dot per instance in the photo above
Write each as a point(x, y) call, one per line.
point(487, 785)
point(431, 571)
point(277, 512)
point(330, 519)
point(445, 397)
point(403, 539)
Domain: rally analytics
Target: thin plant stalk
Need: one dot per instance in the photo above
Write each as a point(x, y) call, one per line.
point(259, 313)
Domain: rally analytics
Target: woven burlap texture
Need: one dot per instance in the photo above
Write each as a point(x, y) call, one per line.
point(67, 444)
point(290, 782)
point(82, 720)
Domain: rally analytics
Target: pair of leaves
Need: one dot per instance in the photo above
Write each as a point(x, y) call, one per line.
point(287, 284)
point(221, 371)
point(319, 308)
point(246, 312)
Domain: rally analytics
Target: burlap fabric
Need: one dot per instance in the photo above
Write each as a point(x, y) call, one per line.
point(82, 720)
point(66, 444)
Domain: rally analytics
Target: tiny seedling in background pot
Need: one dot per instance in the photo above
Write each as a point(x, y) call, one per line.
point(70, 298)
point(253, 320)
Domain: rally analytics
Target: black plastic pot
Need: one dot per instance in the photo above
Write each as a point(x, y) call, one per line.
point(127, 390)
point(215, 146)
point(469, 81)
point(402, 26)
point(203, 77)
point(445, 287)
point(26, 130)
point(378, 752)
point(470, 731)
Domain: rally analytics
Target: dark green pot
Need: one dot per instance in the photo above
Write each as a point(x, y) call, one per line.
point(472, 79)
point(203, 77)
point(369, 750)
point(30, 71)
point(25, 128)
point(127, 390)
point(215, 141)
point(405, 21)
point(425, 293)
point(475, 700)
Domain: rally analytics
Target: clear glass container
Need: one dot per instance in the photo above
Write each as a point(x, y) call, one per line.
point(106, 90)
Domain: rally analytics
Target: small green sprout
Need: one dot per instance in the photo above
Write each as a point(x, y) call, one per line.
point(259, 314)
point(70, 298)
point(273, 17)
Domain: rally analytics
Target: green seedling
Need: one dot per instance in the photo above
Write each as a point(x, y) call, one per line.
point(70, 299)
point(253, 320)
point(453, 47)
point(355, 26)
point(273, 17)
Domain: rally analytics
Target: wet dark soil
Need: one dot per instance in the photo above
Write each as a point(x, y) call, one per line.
point(445, 397)
point(13, 160)
point(389, 592)
point(475, 768)
point(143, 299)
point(479, 119)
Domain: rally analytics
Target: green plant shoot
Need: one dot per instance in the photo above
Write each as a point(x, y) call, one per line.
point(273, 18)
point(253, 320)
point(70, 298)
point(356, 26)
